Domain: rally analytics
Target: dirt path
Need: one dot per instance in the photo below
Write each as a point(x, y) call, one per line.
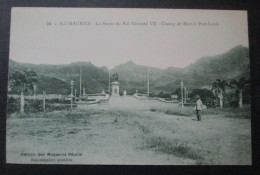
point(124, 131)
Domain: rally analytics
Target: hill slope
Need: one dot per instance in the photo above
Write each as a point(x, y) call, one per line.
point(230, 65)
point(56, 78)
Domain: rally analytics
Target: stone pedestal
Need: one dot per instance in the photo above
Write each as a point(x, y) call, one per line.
point(115, 88)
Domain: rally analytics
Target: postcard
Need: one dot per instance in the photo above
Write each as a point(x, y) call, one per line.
point(128, 86)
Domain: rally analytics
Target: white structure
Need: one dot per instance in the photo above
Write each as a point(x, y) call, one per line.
point(22, 102)
point(182, 94)
point(84, 93)
point(115, 88)
point(174, 97)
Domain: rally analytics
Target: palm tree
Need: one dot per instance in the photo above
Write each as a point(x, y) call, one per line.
point(240, 85)
point(23, 81)
point(218, 86)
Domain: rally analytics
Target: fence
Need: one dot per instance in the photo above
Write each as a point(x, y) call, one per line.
point(50, 102)
point(39, 103)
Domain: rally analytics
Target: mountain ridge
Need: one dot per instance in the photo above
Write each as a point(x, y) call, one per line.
point(229, 65)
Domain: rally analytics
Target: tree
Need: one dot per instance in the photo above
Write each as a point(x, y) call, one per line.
point(178, 92)
point(218, 86)
point(164, 95)
point(239, 85)
point(23, 81)
point(206, 96)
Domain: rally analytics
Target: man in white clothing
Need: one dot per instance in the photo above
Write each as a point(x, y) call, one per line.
point(198, 107)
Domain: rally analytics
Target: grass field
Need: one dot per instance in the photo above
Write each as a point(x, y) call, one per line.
point(131, 131)
point(244, 112)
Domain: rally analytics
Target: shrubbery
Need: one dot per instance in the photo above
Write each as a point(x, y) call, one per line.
point(51, 107)
point(164, 95)
point(56, 100)
point(207, 97)
point(231, 100)
point(13, 105)
point(33, 106)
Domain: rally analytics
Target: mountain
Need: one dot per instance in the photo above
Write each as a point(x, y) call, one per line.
point(230, 65)
point(56, 78)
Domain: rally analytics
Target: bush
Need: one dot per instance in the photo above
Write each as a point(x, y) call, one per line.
point(174, 147)
point(151, 95)
point(56, 100)
point(13, 105)
point(244, 112)
point(176, 110)
point(164, 95)
point(32, 106)
point(231, 100)
point(51, 107)
point(207, 97)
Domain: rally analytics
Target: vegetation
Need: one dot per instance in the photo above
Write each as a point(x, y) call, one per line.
point(175, 147)
point(239, 113)
point(219, 86)
point(52, 85)
point(13, 105)
point(175, 110)
point(189, 111)
point(164, 95)
point(206, 96)
point(230, 99)
point(35, 106)
point(183, 141)
point(240, 86)
point(230, 65)
point(23, 81)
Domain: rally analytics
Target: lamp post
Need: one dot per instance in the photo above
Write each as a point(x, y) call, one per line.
point(75, 94)
point(71, 94)
point(181, 93)
point(71, 85)
point(34, 91)
point(80, 75)
point(185, 95)
point(43, 101)
point(148, 79)
point(109, 81)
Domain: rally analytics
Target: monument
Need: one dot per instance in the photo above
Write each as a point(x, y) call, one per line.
point(115, 85)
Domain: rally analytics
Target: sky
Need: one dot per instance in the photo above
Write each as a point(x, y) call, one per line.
point(109, 37)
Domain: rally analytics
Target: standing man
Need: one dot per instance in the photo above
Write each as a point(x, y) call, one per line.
point(198, 107)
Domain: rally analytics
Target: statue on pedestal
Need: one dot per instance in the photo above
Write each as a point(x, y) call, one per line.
point(115, 77)
point(115, 85)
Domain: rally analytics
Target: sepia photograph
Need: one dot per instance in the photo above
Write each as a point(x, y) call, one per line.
point(109, 86)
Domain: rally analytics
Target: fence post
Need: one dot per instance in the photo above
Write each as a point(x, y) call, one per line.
point(34, 92)
point(43, 101)
point(22, 102)
point(181, 93)
point(71, 95)
point(185, 95)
